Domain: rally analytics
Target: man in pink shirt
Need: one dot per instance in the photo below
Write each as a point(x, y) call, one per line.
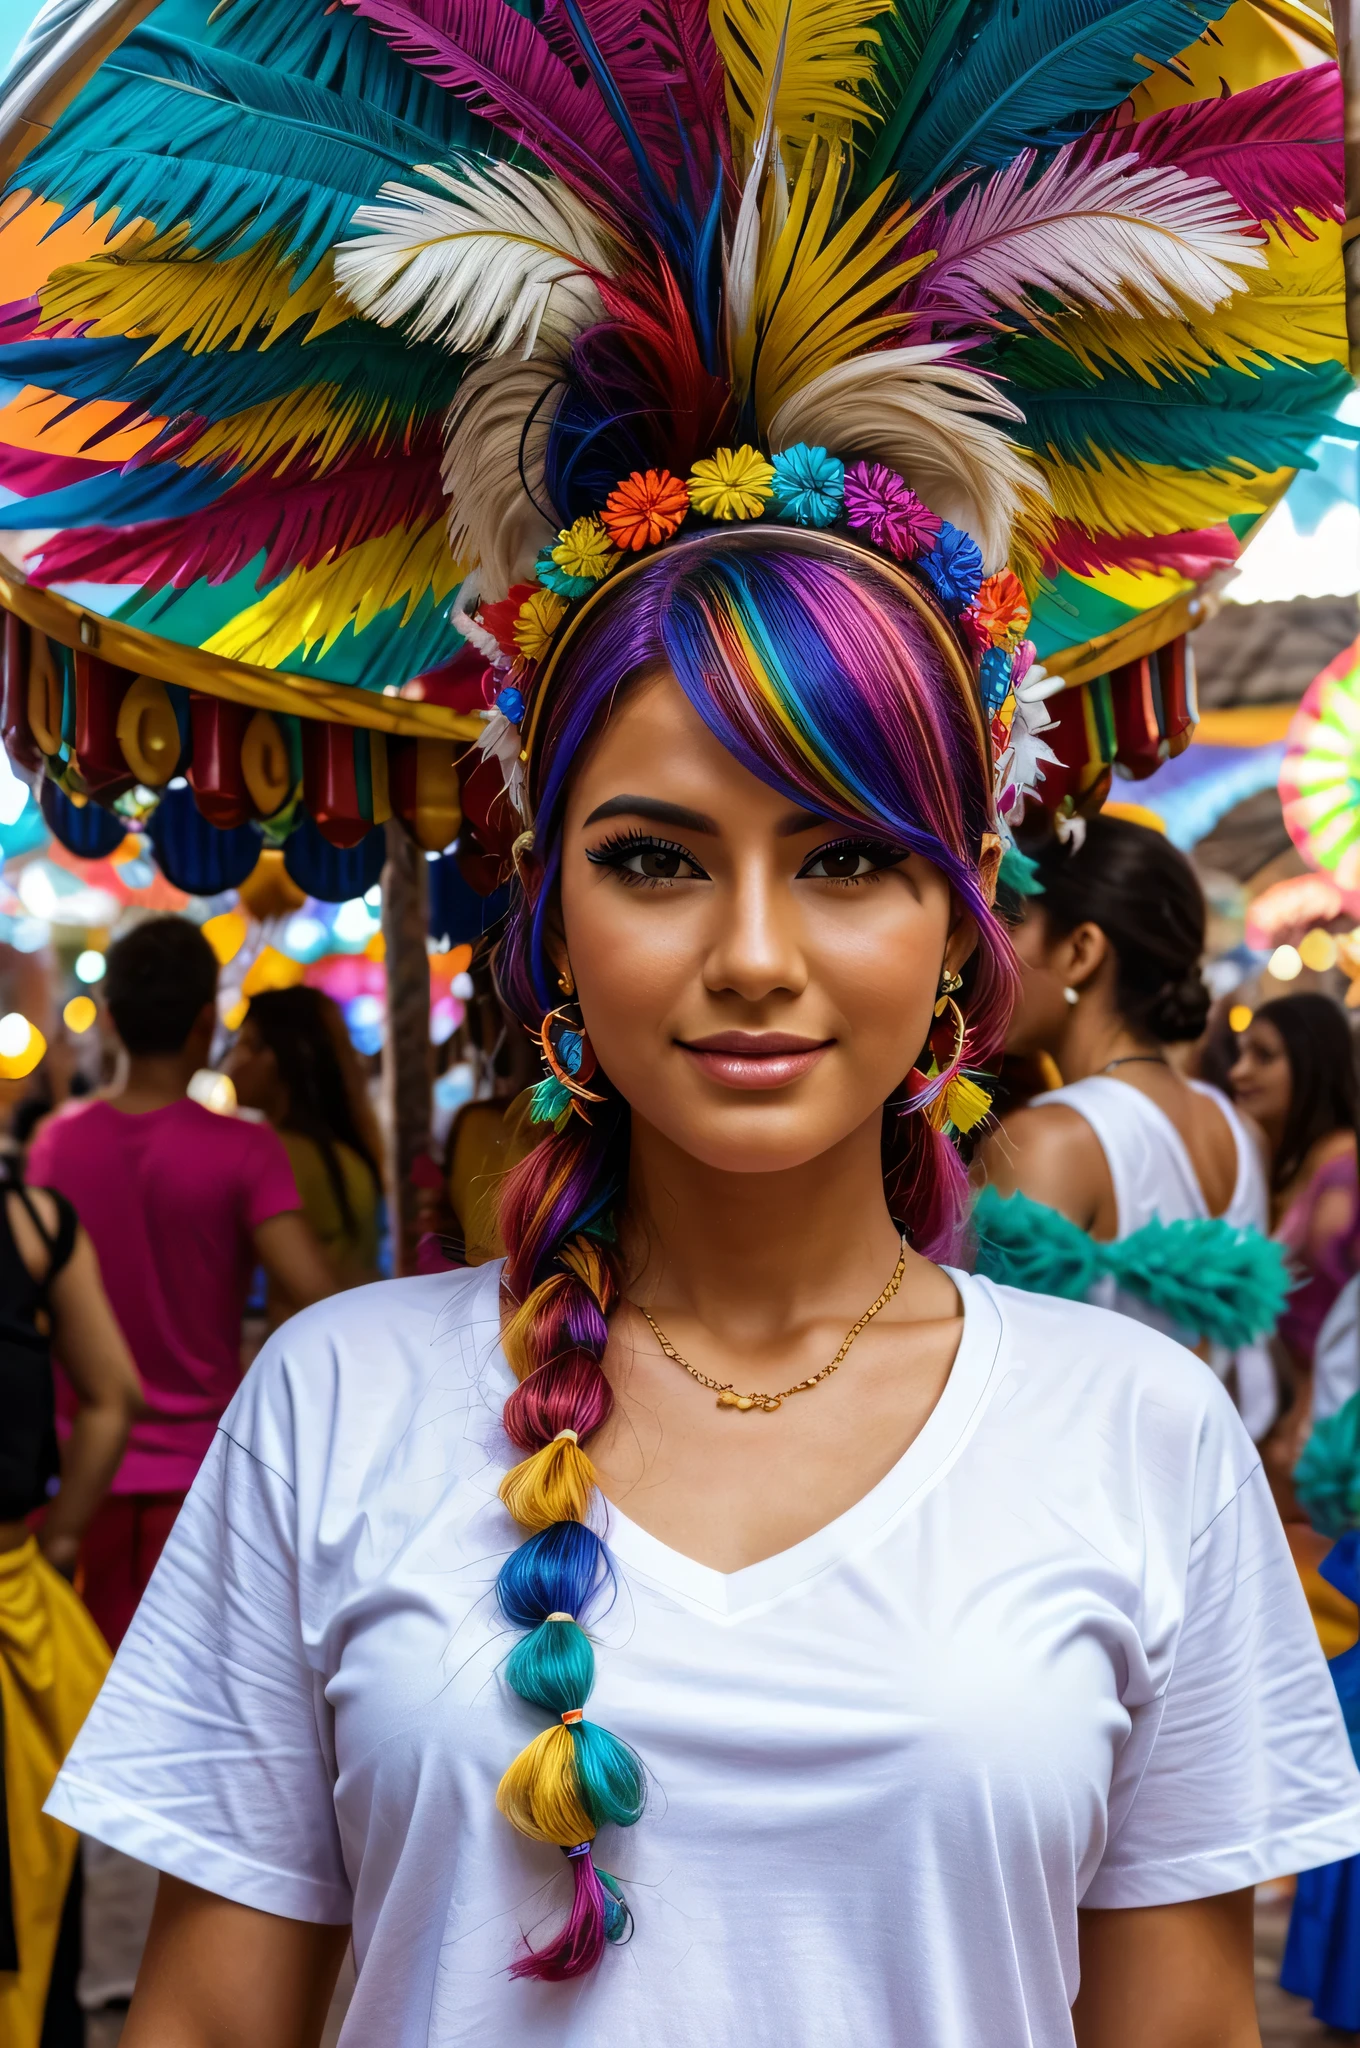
point(182, 1204)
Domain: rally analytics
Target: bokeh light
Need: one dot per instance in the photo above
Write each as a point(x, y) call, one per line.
point(22, 1045)
point(79, 1014)
point(1317, 950)
point(1239, 1017)
point(1285, 964)
point(90, 966)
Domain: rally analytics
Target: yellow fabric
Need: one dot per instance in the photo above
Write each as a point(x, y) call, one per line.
point(487, 1139)
point(52, 1663)
point(352, 1253)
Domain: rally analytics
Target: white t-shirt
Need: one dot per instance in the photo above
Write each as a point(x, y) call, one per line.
point(1059, 1654)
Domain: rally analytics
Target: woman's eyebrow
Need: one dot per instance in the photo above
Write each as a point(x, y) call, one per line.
point(655, 808)
point(802, 821)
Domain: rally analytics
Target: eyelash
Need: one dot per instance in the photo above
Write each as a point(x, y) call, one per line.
point(622, 847)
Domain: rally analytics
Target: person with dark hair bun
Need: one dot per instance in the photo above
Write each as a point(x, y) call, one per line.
point(1109, 951)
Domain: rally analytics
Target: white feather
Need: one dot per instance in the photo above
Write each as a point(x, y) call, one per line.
point(932, 421)
point(743, 256)
point(500, 741)
point(509, 257)
point(1020, 769)
point(489, 458)
point(1122, 238)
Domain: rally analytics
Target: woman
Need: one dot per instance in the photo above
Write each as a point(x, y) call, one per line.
point(882, 1598)
point(1109, 953)
point(293, 1062)
point(927, 1610)
point(1295, 1074)
point(52, 1657)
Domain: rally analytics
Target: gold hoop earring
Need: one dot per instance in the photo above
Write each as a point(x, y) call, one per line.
point(571, 1063)
point(961, 1102)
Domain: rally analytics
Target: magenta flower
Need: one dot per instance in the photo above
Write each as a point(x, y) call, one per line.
point(877, 500)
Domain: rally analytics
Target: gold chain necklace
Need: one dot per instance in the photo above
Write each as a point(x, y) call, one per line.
point(727, 1395)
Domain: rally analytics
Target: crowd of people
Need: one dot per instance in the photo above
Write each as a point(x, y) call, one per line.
point(130, 1242)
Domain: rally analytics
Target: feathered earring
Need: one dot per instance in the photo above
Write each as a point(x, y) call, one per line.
point(570, 1060)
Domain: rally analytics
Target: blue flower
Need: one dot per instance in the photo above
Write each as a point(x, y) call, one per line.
point(809, 485)
point(954, 566)
point(553, 578)
point(511, 703)
point(994, 674)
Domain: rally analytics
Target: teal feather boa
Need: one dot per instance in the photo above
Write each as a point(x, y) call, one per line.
point(1221, 1283)
point(1327, 1476)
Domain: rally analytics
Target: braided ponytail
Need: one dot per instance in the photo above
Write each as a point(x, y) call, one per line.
point(563, 1273)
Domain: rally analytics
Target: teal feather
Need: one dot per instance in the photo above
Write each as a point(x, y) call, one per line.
point(1039, 72)
point(1212, 1280)
point(1217, 420)
point(1019, 873)
point(1327, 1476)
point(334, 49)
point(170, 132)
point(375, 366)
point(550, 1102)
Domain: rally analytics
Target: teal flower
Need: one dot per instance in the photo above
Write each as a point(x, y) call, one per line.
point(552, 578)
point(809, 485)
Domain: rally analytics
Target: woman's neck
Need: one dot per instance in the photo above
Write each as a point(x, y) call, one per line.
point(760, 1251)
point(1096, 1037)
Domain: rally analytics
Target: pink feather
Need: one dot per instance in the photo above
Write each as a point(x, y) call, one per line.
point(297, 523)
point(1276, 147)
point(499, 63)
point(662, 57)
point(31, 474)
point(1195, 555)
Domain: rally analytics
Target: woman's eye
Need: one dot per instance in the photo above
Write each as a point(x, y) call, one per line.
point(647, 860)
point(850, 861)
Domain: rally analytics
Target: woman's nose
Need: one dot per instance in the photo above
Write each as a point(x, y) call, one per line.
point(757, 944)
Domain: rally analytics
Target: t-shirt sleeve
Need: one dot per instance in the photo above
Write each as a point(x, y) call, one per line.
point(269, 1187)
point(208, 1753)
point(1240, 1770)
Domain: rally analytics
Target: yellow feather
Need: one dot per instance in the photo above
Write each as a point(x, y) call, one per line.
point(820, 301)
point(312, 607)
point(1140, 590)
point(310, 422)
point(827, 61)
point(1113, 494)
point(1293, 311)
point(190, 300)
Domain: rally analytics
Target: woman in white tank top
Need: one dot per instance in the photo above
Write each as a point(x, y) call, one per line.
point(1110, 953)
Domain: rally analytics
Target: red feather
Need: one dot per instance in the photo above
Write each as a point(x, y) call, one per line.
point(1195, 555)
point(298, 523)
point(1276, 147)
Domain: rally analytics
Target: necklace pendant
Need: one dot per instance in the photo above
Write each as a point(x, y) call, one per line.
point(727, 1399)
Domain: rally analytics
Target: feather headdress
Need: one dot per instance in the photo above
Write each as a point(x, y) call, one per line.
point(344, 336)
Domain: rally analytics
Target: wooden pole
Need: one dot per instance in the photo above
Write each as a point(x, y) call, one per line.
point(1346, 22)
point(407, 1067)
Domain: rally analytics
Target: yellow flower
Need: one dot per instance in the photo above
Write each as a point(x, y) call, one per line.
point(537, 620)
point(584, 549)
point(732, 483)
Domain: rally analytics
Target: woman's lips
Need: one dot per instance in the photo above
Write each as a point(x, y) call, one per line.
point(755, 1059)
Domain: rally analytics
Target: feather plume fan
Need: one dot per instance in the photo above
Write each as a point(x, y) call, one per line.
point(593, 237)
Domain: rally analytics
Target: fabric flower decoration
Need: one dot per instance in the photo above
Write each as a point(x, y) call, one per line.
point(954, 566)
point(648, 507)
point(553, 578)
point(500, 618)
point(1022, 662)
point(1002, 607)
point(540, 615)
point(809, 485)
point(584, 551)
point(976, 639)
point(732, 483)
point(878, 502)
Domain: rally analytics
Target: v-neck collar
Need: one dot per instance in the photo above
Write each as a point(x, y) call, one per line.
point(732, 1595)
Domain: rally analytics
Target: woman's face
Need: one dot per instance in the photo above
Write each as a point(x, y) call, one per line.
point(755, 981)
point(254, 1072)
point(1042, 1011)
point(1261, 1080)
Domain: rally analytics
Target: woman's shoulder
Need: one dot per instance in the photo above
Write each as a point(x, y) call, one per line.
point(1107, 1394)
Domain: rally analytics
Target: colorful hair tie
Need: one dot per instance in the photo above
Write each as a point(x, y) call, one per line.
point(581, 1849)
point(572, 1716)
point(559, 1616)
point(569, 1434)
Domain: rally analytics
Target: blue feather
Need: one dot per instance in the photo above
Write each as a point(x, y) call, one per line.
point(159, 491)
point(334, 49)
point(1039, 72)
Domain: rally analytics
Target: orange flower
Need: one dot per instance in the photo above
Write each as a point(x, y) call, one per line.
point(645, 508)
point(1002, 607)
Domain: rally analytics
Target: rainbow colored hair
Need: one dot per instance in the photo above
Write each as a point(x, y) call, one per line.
point(825, 683)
